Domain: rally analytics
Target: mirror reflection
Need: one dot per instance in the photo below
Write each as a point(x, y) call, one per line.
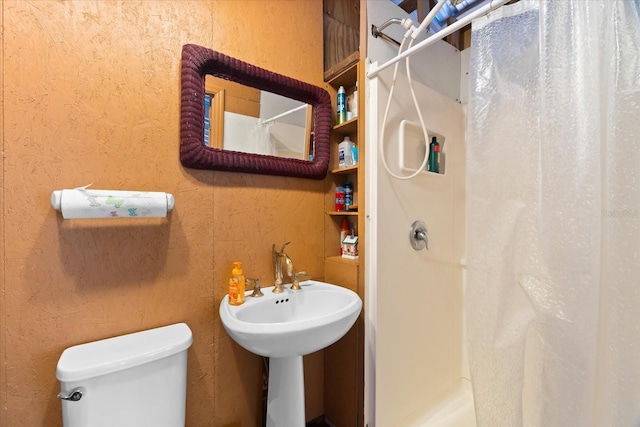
point(250, 120)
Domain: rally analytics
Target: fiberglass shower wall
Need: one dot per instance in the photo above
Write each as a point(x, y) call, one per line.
point(415, 330)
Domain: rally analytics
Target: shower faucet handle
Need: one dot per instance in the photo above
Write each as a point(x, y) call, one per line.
point(418, 236)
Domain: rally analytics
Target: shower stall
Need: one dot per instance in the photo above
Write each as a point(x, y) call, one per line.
point(533, 223)
point(414, 356)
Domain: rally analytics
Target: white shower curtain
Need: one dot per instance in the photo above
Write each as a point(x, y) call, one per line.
point(553, 215)
point(261, 141)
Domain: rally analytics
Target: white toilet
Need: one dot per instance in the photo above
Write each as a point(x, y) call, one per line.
point(138, 379)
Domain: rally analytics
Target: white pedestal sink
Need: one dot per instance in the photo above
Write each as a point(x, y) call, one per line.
point(284, 327)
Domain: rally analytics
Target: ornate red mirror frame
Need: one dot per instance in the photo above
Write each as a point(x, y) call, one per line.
point(197, 62)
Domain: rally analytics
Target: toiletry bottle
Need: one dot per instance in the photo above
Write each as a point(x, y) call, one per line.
point(354, 105)
point(339, 199)
point(342, 105)
point(344, 232)
point(354, 154)
point(344, 153)
point(236, 283)
point(434, 156)
point(233, 291)
point(348, 195)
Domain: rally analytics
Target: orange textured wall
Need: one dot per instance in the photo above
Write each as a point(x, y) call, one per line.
point(91, 94)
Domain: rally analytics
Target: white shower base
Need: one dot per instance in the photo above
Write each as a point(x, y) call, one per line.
point(455, 411)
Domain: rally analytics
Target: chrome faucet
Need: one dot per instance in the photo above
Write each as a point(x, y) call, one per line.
point(280, 257)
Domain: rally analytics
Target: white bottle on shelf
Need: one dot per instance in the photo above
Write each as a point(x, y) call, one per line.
point(353, 107)
point(344, 153)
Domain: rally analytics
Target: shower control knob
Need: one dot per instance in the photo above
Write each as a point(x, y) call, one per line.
point(418, 236)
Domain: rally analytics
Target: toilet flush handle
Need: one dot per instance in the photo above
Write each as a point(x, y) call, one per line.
point(74, 396)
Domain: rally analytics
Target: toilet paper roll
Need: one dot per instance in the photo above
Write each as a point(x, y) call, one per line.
point(88, 203)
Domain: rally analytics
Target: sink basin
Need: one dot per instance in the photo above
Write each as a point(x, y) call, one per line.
point(284, 327)
point(293, 323)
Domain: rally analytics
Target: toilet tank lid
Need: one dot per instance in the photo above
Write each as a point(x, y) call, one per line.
point(115, 354)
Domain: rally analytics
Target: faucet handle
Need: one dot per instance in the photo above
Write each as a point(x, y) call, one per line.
point(295, 286)
point(256, 288)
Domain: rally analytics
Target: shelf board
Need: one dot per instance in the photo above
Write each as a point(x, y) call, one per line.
point(343, 72)
point(343, 213)
point(347, 128)
point(338, 258)
point(345, 171)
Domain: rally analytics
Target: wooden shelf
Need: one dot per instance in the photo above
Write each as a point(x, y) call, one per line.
point(347, 77)
point(343, 213)
point(347, 128)
point(342, 72)
point(345, 171)
point(339, 258)
point(344, 361)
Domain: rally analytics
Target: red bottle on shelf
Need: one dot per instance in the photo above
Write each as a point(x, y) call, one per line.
point(340, 195)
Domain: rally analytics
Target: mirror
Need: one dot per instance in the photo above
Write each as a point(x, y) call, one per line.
point(202, 66)
point(250, 120)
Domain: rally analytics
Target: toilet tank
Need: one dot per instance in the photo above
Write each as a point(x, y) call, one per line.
point(138, 379)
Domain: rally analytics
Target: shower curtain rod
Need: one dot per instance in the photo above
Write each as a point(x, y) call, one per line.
point(286, 113)
point(494, 4)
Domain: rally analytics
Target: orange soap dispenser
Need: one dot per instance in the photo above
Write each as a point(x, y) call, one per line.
point(236, 285)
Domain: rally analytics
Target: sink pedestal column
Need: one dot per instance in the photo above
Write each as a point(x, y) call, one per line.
point(285, 397)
